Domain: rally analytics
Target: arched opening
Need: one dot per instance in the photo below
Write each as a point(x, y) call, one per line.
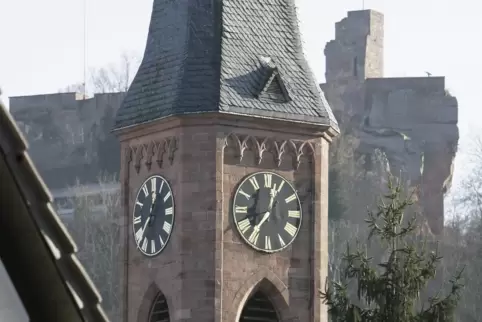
point(258, 308)
point(159, 311)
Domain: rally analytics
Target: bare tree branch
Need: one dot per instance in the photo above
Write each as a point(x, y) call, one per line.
point(112, 78)
point(96, 231)
point(115, 77)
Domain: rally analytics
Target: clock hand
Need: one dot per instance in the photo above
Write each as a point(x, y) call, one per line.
point(151, 216)
point(265, 217)
point(272, 193)
point(153, 208)
point(153, 203)
point(143, 230)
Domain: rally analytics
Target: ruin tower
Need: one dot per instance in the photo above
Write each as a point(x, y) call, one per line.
point(224, 138)
point(357, 50)
point(354, 55)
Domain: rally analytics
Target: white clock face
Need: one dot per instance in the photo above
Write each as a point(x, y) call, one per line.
point(153, 215)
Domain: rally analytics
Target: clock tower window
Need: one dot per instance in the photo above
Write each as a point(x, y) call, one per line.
point(259, 308)
point(159, 311)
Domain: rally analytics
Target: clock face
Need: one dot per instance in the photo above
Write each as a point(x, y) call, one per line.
point(153, 215)
point(267, 211)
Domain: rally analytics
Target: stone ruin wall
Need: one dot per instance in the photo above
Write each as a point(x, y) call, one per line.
point(412, 120)
point(69, 136)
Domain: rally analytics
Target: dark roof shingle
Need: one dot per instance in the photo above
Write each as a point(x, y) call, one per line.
point(207, 56)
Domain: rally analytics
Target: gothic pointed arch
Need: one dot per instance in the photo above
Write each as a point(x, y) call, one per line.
point(263, 291)
point(154, 307)
point(159, 311)
point(259, 308)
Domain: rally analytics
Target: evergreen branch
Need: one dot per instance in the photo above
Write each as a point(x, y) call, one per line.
point(391, 290)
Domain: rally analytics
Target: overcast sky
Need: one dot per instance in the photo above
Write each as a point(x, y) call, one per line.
point(42, 43)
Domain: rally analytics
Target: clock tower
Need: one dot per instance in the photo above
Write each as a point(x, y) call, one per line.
point(224, 169)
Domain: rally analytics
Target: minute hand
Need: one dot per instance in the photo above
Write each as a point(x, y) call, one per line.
point(141, 233)
point(265, 217)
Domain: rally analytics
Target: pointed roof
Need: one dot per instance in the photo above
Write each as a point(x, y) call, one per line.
point(204, 56)
point(35, 247)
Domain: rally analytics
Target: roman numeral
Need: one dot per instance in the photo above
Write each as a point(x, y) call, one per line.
point(244, 194)
point(169, 211)
point(167, 196)
point(167, 227)
point(137, 220)
point(290, 229)
point(145, 190)
point(294, 213)
point(139, 234)
point(253, 238)
point(139, 204)
point(254, 183)
point(268, 178)
point(267, 243)
point(144, 245)
point(162, 241)
point(290, 198)
point(162, 185)
point(153, 246)
point(241, 209)
point(281, 241)
point(244, 225)
point(281, 185)
point(153, 184)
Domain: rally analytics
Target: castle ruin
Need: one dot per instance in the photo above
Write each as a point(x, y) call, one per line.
point(413, 120)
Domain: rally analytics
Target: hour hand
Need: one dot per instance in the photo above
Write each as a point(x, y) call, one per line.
point(153, 202)
point(272, 194)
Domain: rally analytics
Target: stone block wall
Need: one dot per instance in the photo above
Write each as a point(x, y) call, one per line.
point(357, 50)
point(422, 117)
point(413, 120)
point(69, 136)
point(397, 102)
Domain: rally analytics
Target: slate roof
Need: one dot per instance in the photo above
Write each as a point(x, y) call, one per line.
point(210, 56)
point(35, 248)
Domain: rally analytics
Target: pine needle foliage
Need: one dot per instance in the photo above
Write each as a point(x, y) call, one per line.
point(390, 290)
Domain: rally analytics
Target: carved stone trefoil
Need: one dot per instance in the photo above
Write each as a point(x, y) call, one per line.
point(157, 150)
point(280, 149)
